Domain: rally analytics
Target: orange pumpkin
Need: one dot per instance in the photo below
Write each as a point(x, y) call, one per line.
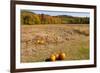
point(38, 41)
point(62, 56)
point(57, 56)
point(53, 57)
point(42, 42)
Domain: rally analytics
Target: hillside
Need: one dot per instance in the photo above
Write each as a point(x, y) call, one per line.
point(31, 18)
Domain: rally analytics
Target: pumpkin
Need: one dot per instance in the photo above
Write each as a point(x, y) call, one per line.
point(62, 56)
point(53, 58)
point(57, 56)
point(42, 42)
point(38, 41)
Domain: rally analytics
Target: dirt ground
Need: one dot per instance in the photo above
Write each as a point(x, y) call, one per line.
point(38, 42)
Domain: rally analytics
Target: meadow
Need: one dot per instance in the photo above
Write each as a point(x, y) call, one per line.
point(38, 42)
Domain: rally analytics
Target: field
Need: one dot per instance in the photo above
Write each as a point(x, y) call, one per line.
point(38, 42)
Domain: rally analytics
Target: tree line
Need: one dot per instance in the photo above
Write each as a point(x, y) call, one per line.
point(30, 18)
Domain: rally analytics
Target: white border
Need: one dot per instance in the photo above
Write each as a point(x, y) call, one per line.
point(53, 64)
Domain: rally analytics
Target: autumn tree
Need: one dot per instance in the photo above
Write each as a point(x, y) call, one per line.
point(30, 18)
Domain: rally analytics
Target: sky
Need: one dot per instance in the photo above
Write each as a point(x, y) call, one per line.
point(55, 13)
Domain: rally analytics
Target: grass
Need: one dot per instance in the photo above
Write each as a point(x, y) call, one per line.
point(38, 42)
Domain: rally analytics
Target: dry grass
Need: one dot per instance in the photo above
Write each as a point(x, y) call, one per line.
point(38, 42)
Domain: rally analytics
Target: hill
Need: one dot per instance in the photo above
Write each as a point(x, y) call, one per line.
point(31, 18)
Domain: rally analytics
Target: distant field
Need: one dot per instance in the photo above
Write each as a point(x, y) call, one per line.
point(72, 39)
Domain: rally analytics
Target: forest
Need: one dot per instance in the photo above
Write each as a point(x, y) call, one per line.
point(31, 18)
